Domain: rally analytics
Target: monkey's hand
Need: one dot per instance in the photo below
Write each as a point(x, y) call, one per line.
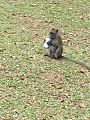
point(49, 43)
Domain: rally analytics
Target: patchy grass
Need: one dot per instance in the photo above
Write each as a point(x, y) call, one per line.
point(32, 86)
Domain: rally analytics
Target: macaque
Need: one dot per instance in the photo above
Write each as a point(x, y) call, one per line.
point(53, 44)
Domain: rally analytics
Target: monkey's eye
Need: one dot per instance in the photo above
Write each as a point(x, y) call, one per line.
point(52, 34)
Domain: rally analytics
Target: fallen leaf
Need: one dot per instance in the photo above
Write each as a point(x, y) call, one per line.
point(22, 78)
point(85, 85)
point(1, 118)
point(82, 70)
point(14, 14)
point(81, 17)
point(62, 98)
point(81, 105)
point(2, 50)
point(43, 119)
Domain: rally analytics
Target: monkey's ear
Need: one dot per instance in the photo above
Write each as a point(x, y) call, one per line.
point(57, 30)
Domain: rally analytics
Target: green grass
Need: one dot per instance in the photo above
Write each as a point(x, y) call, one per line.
point(35, 87)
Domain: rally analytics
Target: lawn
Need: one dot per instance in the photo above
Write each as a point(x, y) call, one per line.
point(33, 86)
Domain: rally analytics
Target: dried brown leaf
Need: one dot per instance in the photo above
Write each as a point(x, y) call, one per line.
point(81, 105)
point(82, 70)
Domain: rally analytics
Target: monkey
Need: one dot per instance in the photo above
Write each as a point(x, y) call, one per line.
point(54, 45)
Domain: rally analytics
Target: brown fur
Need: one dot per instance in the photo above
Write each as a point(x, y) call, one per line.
point(55, 49)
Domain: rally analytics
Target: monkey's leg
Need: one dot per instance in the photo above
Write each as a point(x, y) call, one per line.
point(51, 51)
point(58, 53)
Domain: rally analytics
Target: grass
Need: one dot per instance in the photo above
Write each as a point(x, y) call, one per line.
point(35, 87)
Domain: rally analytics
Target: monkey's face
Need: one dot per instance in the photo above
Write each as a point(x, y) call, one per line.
point(53, 33)
point(46, 43)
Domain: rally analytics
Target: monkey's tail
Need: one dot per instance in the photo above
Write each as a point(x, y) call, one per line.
point(77, 62)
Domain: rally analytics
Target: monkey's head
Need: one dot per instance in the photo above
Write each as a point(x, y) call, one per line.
point(53, 33)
